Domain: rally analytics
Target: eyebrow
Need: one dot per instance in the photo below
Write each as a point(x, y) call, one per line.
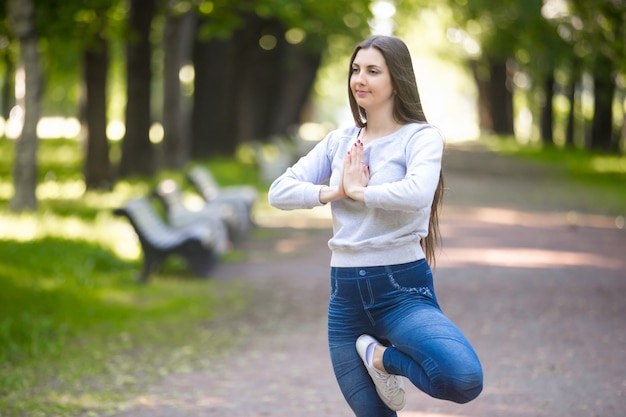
point(354, 64)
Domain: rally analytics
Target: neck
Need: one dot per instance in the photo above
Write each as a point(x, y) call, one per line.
point(377, 128)
point(381, 120)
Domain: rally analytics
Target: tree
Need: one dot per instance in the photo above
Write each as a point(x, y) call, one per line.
point(268, 54)
point(213, 119)
point(604, 36)
point(499, 29)
point(97, 166)
point(22, 20)
point(137, 150)
point(596, 35)
point(76, 53)
point(7, 96)
point(7, 66)
point(542, 52)
point(180, 25)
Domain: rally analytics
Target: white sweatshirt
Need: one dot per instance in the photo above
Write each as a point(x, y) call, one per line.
point(387, 227)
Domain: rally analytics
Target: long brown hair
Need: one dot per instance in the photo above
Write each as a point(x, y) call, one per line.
point(407, 109)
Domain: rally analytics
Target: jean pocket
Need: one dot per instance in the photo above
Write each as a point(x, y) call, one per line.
point(415, 280)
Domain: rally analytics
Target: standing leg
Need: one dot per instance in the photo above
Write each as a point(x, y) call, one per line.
point(347, 320)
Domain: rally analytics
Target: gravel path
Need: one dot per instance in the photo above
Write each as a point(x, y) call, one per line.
point(528, 271)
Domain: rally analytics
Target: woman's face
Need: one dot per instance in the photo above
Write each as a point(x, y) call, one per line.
point(370, 81)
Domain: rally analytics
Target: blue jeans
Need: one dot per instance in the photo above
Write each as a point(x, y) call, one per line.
point(397, 305)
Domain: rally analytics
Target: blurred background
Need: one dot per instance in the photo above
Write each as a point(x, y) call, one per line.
point(102, 100)
point(174, 81)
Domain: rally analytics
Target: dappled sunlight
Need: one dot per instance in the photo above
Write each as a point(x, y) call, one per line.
point(525, 258)
point(513, 238)
point(6, 190)
point(52, 190)
point(512, 217)
point(198, 402)
point(609, 164)
point(58, 127)
point(105, 230)
point(75, 190)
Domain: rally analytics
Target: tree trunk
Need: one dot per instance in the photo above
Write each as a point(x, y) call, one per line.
point(137, 150)
point(621, 144)
point(299, 69)
point(571, 116)
point(481, 77)
point(215, 86)
point(8, 86)
point(245, 93)
point(501, 98)
point(604, 90)
point(177, 41)
point(97, 169)
point(547, 112)
point(22, 19)
point(246, 99)
point(266, 77)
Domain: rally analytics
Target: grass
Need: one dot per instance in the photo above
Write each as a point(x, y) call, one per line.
point(76, 332)
point(600, 173)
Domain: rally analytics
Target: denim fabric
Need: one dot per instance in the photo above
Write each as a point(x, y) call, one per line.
point(397, 305)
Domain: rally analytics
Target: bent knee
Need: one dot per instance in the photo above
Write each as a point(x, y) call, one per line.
point(465, 389)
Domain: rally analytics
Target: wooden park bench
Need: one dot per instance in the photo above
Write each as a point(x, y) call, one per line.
point(207, 186)
point(240, 198)
point(196, 243)
point(219, 216)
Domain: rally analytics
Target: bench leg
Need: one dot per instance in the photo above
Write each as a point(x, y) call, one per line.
point(200, 259)
point(152, 260)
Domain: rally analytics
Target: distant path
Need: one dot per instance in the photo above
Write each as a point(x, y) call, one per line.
point(540, 292)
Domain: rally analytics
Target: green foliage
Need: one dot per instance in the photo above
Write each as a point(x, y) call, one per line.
point(76, 331)
point(503, 28)
point(66, 30)
point(597, 29)
point(318, 19)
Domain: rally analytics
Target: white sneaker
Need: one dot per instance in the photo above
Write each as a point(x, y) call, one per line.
point(390, 388)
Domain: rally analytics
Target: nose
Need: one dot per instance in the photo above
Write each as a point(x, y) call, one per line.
point(357, 77)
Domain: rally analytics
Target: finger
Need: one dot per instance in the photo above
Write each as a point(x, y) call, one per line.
point(358, 154)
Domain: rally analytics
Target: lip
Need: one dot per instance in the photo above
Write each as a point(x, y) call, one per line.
point(360, 93)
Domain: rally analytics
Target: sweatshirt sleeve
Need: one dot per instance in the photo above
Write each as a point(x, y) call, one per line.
point(300, 185)
point(416, 190)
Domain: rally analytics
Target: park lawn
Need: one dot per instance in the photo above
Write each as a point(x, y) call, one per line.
point(76, 331)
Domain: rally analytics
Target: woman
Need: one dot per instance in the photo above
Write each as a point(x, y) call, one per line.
point(385, 186)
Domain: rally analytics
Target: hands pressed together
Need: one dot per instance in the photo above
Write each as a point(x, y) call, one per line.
point(354, 177)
